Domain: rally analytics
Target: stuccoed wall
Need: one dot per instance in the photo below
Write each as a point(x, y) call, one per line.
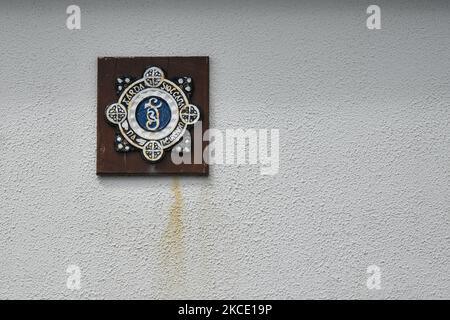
point(364, 153)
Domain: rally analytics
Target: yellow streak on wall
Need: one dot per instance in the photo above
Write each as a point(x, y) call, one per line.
point(173, 243)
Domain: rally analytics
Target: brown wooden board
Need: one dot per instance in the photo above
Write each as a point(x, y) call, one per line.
point(111, 162)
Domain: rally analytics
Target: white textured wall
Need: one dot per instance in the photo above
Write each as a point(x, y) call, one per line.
point(364, 150)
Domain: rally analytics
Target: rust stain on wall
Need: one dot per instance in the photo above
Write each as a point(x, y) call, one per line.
point(173, 242)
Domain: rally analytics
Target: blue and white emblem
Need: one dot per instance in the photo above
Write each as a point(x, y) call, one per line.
point(152, 113)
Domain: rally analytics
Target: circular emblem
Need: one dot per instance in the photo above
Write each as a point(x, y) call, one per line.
point(152, 113)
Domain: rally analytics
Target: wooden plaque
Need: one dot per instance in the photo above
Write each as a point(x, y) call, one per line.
point(115, 75)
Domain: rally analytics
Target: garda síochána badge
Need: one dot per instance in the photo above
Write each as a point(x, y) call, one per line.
point(152, 113)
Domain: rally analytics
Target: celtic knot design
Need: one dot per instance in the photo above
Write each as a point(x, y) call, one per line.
point(189, 114)
point(116, 113)
point(153, 150)
point(153, 76)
